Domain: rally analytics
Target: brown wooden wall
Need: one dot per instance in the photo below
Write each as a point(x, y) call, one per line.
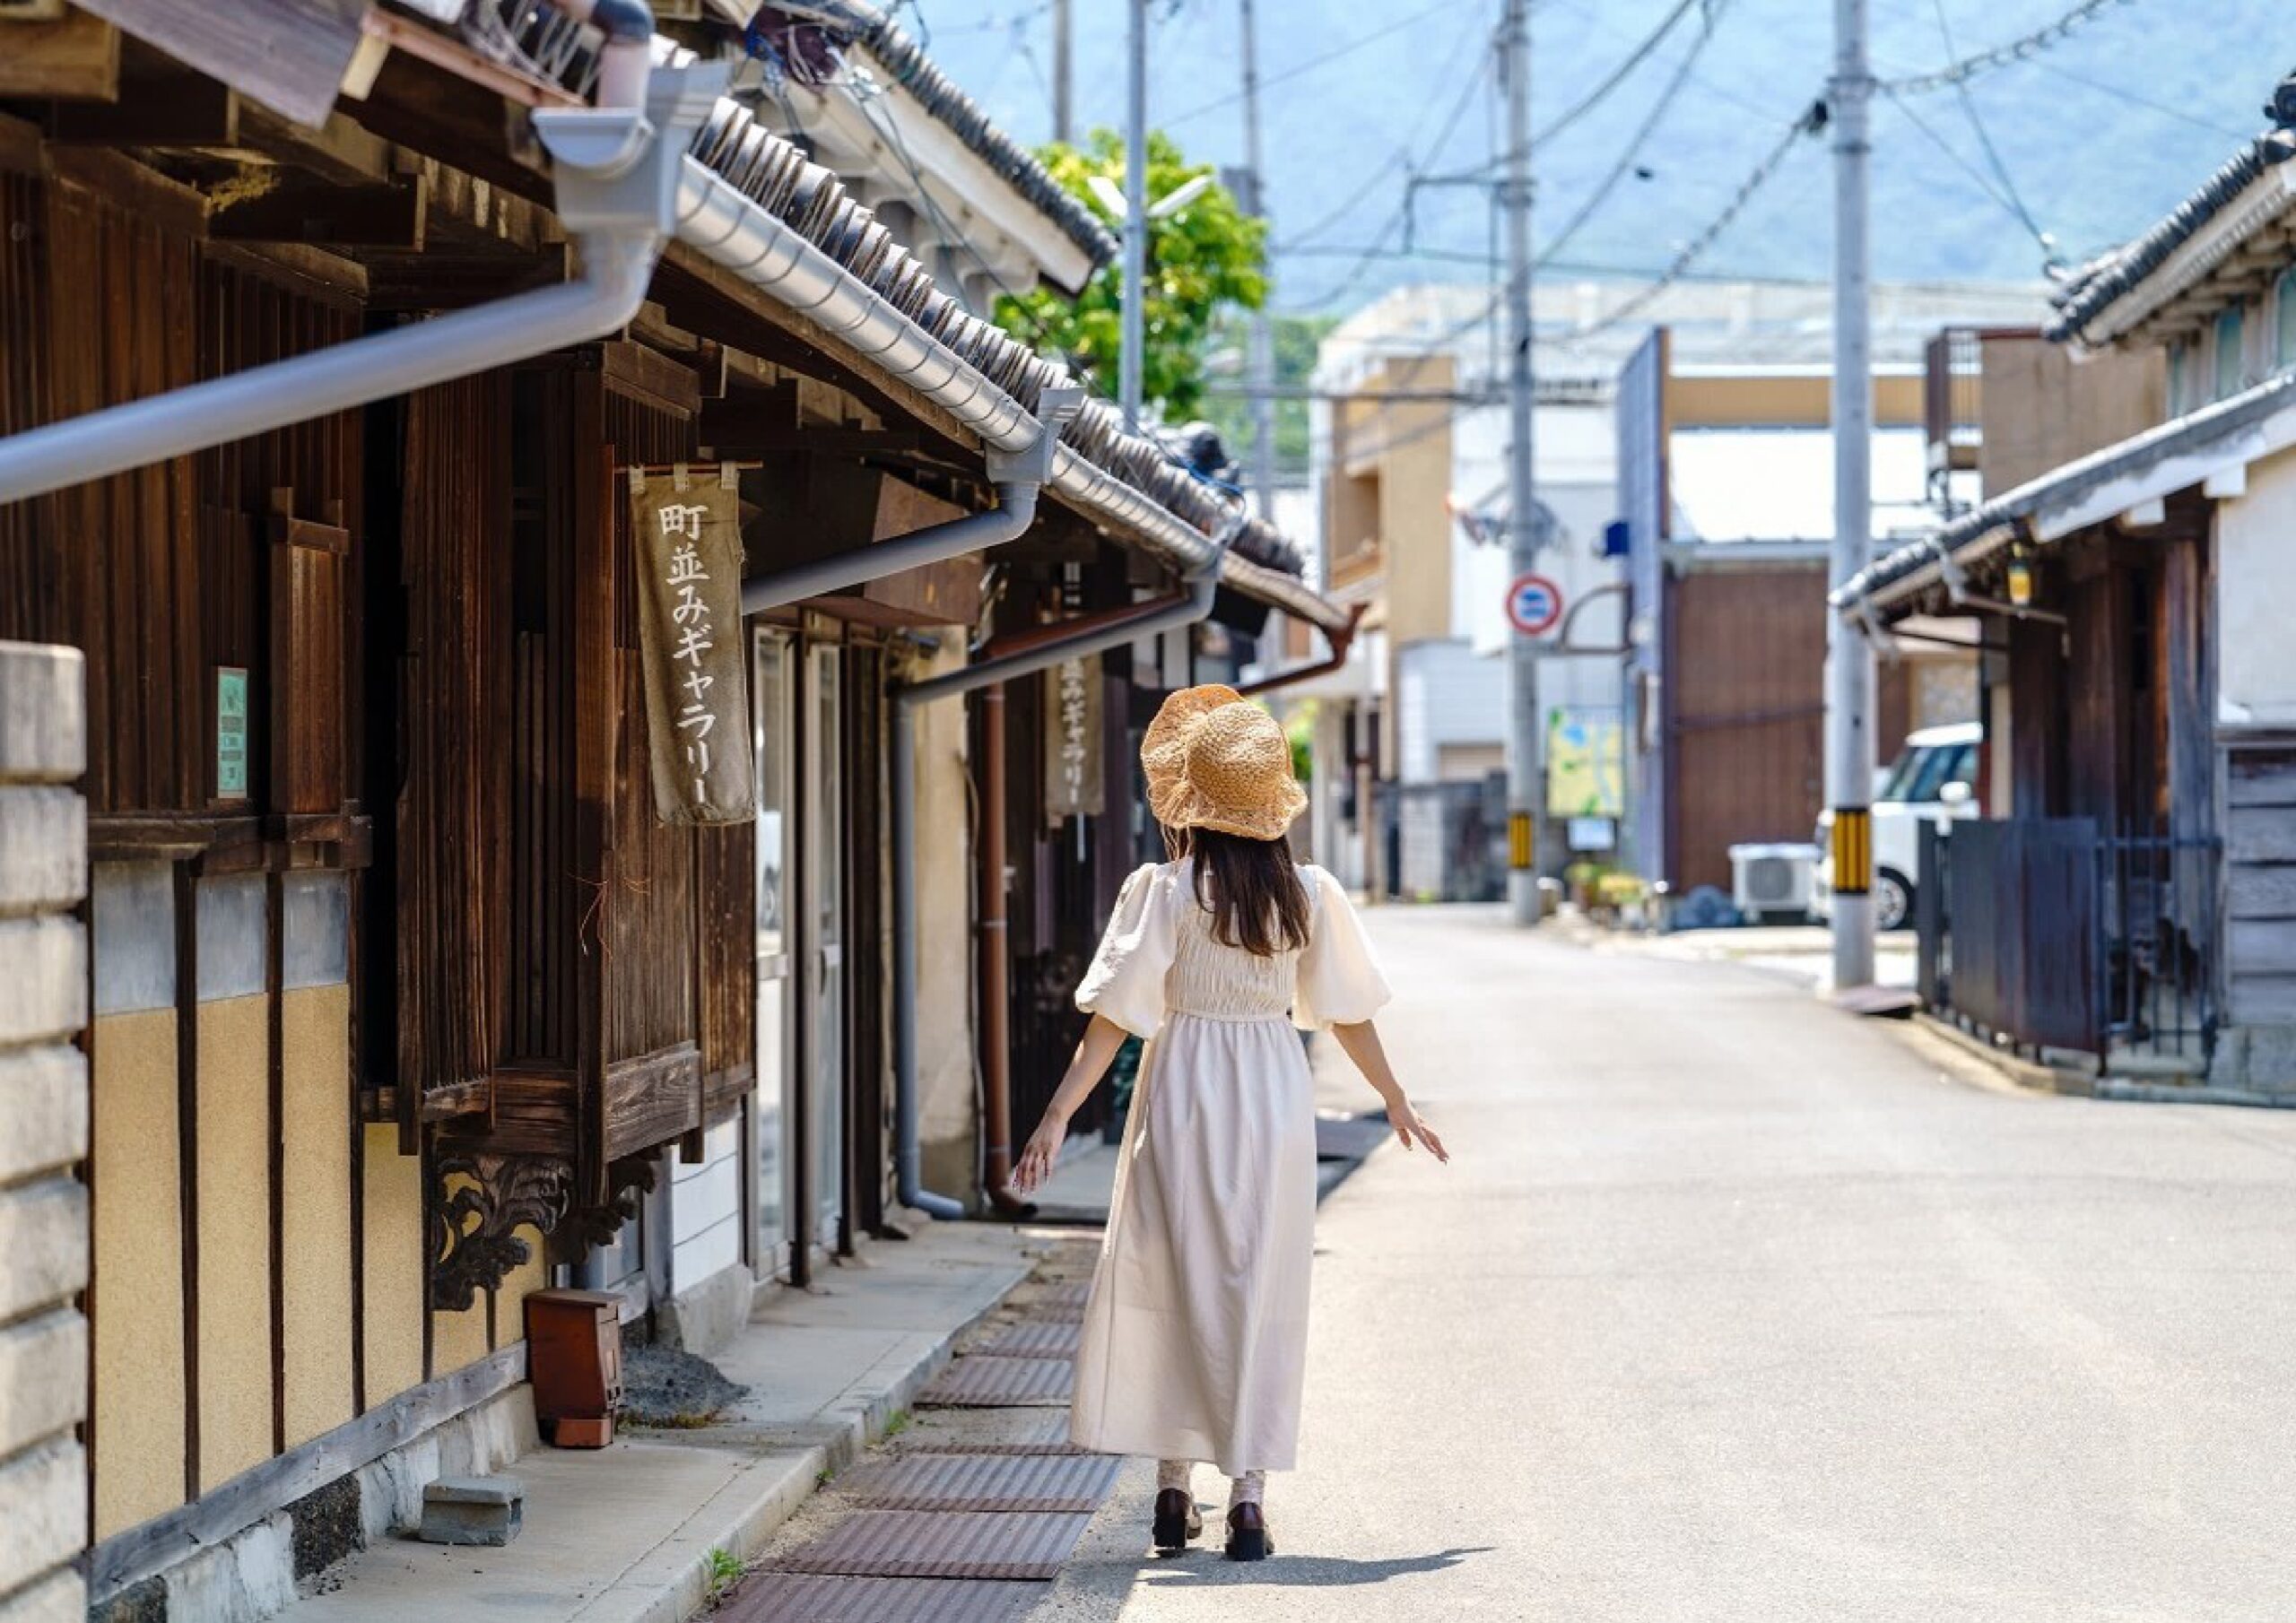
point(1745, 698)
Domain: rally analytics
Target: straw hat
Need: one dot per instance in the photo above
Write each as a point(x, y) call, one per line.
point(1163, 748)
point(1236, 776)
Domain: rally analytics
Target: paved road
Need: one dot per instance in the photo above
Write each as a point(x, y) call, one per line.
point(1730, 1306)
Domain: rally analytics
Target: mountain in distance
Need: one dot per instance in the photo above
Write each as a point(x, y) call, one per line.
point(2091, 140)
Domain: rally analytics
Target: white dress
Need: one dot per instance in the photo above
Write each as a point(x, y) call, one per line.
point(1195, 1336)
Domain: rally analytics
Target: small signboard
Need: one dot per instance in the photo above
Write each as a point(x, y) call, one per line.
point(686, 536)
point(1594, 834)
point(1534, 604)
point(230, 733)
point(1072, 735)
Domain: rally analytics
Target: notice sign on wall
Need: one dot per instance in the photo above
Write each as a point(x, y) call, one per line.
point(1072, 735)
point(230, 733)
point(686, 535)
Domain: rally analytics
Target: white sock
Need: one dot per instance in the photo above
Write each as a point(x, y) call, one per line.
point(1174, 1473)
point(1250, 1489)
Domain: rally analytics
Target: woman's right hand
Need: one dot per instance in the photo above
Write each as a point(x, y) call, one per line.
point(1036, 1156)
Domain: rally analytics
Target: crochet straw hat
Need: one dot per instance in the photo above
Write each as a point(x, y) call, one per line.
point(1163, 748)
point(1236, 776)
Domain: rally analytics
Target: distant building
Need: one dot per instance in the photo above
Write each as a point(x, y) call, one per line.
point(2131, 893)
point(1410, 460)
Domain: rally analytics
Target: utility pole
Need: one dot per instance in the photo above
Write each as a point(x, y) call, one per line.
point(1134, 330)
point(1262, 358)
point(1064, 74)
point(1525, 727)
point(1849, 657)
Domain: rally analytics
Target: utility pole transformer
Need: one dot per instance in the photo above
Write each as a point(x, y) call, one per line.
point(1134, 329)
point(1849, 657)
point(1525, 727)
point(1262, 357)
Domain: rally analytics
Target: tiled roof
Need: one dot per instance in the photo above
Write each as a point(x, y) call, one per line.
point(854, 22)
point(2104, 281)
point(772, 173)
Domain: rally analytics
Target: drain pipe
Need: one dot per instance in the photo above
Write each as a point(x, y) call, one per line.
point(1102, 632)
point(616, 172)
point(1339, 641)
point(1018, 476)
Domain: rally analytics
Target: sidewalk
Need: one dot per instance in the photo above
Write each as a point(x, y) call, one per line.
point(626, 1534)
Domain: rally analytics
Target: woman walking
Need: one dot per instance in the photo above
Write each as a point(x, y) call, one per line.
point(1195, 1337)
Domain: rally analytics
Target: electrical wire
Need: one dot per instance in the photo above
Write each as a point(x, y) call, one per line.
point(1617, 76)
point(2019, 49)
point(1985, 141)
point(1395, 222)
point(1809, 124)
point(1395, 26)
point(1642, 134)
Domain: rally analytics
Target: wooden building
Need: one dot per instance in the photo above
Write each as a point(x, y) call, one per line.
point(405, 998)
point(2134, 580)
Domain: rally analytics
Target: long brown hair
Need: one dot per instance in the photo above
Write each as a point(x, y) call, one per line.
point(1255, 899)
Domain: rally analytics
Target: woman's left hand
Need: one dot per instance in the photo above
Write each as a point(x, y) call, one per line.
point(1409, 1126)
point(1035, 1164)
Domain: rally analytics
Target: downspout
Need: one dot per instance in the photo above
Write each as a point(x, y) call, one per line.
point(1340, 641)
point(1102, 632)
point(616, 170)
point(1018, 476)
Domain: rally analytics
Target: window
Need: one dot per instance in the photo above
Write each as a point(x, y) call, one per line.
point(2284, 338)
point(2179, 373)
point(2229, 366)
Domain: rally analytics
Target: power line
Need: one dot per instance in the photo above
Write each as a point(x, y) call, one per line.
point(1617, 76)
point(1634, 147)
point(1809, 124)
point(1298, 68)
point(1985, 141)
point(2001, 55)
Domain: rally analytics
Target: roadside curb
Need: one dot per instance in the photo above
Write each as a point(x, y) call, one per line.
point(1925, 1030)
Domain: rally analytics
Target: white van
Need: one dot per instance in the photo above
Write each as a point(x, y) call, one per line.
point(1934, 778)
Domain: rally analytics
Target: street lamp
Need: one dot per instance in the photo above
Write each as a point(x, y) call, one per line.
point(1172, 202)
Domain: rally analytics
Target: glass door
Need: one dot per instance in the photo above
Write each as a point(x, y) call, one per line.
point(825, 912)
point(769, 1113)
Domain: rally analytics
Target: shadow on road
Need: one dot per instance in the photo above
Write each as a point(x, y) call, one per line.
point(1206, 1568)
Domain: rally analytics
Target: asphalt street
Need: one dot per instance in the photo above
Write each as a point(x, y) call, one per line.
point(1730, 1306)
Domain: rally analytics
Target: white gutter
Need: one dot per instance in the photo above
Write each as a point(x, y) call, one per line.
point(614, 170)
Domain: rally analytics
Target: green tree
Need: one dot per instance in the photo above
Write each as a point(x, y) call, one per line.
point(1296, 340)
point(1202, 259)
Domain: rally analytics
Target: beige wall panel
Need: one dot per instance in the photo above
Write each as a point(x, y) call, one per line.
point(392, 1278)
point(315, 1209)
point(2042, 408)
point(234, 1237)
point(138, 1272)
point(458, 1338)
point(944, 934)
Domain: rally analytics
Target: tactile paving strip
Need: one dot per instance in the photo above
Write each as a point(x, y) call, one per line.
point(791, 1597)
point(978, 1381)
point(941, 1544)
point(1035, 1339)
point(956, 1482)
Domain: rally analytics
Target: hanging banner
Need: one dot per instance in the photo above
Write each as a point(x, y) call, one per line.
point(1072, 784)
point(686, 535)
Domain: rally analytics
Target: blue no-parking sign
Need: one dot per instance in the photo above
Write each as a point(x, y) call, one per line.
point(1534, 603)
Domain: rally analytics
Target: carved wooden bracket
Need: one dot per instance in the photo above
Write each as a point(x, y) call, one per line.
point(628, 1181)
point(474, 1245)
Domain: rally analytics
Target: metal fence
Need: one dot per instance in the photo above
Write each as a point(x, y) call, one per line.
point(2048, 933)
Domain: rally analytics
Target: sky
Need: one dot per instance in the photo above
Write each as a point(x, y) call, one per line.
point(2088, 141)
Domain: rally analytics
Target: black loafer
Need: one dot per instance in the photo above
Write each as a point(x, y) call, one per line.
point(1249, 1539)
point(1177, 1520)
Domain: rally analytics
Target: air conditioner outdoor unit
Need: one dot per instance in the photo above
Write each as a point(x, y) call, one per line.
point(1771, 884)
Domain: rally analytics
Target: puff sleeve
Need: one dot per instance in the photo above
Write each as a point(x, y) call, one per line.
point(1339, 979)
point(1125, 983)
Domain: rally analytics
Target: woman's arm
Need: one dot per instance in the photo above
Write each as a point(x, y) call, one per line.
point(1090, 1063)
point(1361, 1043)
